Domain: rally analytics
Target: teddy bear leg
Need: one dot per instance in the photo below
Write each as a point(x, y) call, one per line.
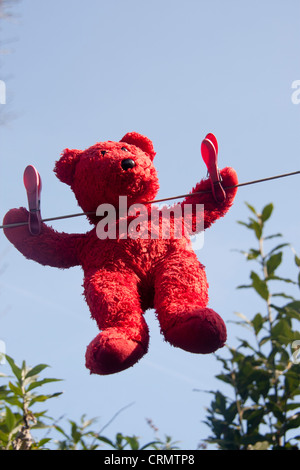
point(181, 297)
point(115, 305)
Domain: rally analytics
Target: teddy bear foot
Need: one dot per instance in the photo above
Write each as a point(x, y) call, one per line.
point(111, 352)
point(203, 332)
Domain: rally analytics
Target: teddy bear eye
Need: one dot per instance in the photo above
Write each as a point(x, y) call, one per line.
point(124, 149)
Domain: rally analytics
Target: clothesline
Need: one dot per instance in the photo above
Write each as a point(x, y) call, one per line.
point(247, 183)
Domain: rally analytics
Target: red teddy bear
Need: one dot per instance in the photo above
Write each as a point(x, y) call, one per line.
point(123, 275)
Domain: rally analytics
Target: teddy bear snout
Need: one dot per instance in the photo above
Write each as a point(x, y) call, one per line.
point(127, 164)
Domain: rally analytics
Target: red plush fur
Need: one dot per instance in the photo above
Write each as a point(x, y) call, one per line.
point(125, 277)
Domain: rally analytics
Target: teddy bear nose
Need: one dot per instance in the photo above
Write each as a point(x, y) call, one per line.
point(127, 163)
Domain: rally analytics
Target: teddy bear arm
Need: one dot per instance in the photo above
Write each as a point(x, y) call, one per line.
point(212, 210)
point(56, 249)
point(49, 248)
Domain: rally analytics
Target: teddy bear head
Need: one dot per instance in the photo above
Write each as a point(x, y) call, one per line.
point(107, 170)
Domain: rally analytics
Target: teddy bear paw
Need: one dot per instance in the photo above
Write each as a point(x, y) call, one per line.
point(202, 331)
point(112, 351)
point(16, 216)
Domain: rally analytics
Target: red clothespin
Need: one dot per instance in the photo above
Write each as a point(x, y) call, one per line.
point(33, 186)
point(209, 151)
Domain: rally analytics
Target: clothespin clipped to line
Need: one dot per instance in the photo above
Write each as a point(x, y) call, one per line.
point(209, 151)
point(33, 185)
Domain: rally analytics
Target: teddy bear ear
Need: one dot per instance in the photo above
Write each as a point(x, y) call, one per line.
point(65, 166)
point(141, 142)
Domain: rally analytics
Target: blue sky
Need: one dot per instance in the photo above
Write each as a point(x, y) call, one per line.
point(78, 73)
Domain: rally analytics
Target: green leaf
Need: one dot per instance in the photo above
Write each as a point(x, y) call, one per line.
point(264, 340)
point(133, 442)
point(292, 313)
point(106, 440)
point(40, 383)
point(225, 378)
point(42, 398)
point(253, 254)
point(14, 401)
point(257, 323)
point(42, 442)
point(244, 224)
point(59, 429)
point(292, 381)
point(276, 410)
point(283, 295)
point(10, 420)
point(275, 235)
point(149, 444)
point(282, 332)
point(220, 403)
point(251, 208)
point(244, 286)
point(278, 247)
point(254, 418)
point(4, 437)
point(294, 306)
point(283, 279)
point(260, 286)
point(253, 225)
point(231, 412)
point(292, 406)
point(4, 393)
point(297, 261)
point(257, 229)
point(15, 389)
point(273, 262)
point(292, 423)
point(15, 369)
point(75, 433)
point(267, 212)
point(36, 370)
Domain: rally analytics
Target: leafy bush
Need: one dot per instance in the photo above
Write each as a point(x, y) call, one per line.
point(19, 420)
point(262, 411)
